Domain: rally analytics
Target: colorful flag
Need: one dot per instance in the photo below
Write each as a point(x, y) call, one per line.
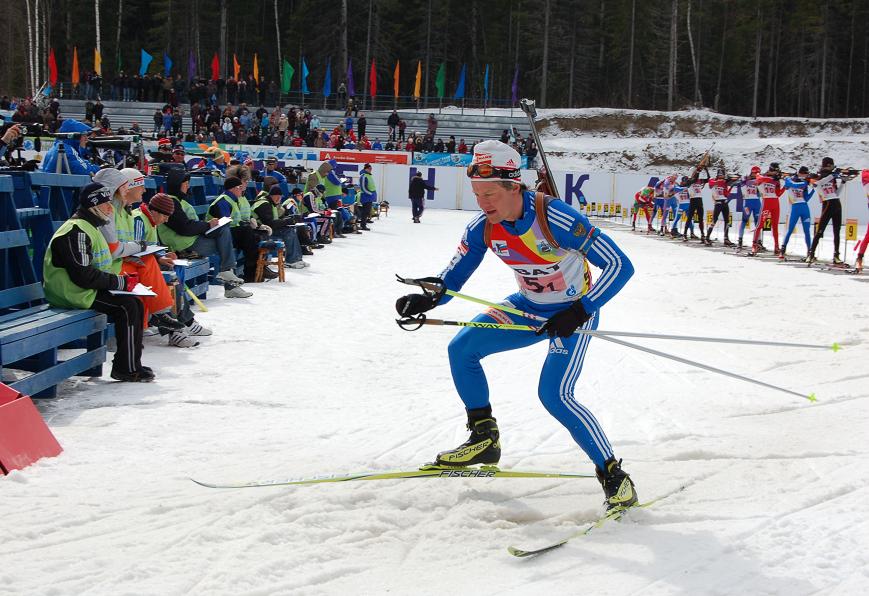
point(327, 83)
point(305, 73)
point(372, 79)
point(191, 66)
point(215, 67)
point(395, 78)
point(441, 80)
point(514, 88)
point(52, 68)
point(351, 87)
point(255, 70)
point(98, 62)
point(486, 84)
point(460, 88)
point(236, 67)
point(287, 77)
point(167, 64)
point(418, 82)
point(146, 62)
point(74, 78)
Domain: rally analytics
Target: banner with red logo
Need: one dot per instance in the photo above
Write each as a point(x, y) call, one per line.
point(400, 157)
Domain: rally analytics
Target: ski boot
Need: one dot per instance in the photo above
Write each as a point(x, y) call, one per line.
point(781, 253)
point(739, 244)
point(837, 261)
point(810, 258)
point(858, 264)
point(482, 447)
point(695, 236)
point(727, 242)
point(617, 485)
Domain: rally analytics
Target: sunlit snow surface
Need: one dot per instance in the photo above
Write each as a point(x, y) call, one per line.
point(313, 377)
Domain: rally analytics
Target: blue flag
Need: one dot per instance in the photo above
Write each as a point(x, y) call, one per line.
point(486, 83)
point(327, 84)
point(167, 64)
point(460, 88)
point(146, 62)
point(305, 73)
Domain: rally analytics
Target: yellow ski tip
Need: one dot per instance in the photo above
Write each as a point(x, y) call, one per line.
point(836, 347)
point(812, 397)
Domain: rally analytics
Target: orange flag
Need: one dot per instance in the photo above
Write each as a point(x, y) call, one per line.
point(75, 79)
point(395, 78)
point(255, 70)
point(98, 62)
point(236, 67)
point(416, 85)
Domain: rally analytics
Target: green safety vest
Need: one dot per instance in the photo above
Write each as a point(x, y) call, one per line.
point(175, 241)
point(150, 231)
point(125, 228)
point(235, 214)
point(60, 291)
point(276, 212)
point(332, 189)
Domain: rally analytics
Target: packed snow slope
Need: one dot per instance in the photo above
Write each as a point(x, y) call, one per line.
point(313, 377)
point(615, 140)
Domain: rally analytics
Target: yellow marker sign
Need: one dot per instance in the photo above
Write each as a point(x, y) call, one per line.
point(709, 217)
point(850, 229)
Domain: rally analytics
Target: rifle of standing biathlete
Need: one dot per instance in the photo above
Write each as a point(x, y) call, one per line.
point(550, 247)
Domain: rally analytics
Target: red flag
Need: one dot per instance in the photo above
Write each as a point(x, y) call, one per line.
point(372, 79)
point(215, 68)
point(52, 68)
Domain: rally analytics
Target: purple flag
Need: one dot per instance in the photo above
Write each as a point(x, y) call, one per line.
point(514, 98)
point(191, 67)
point(351, 88)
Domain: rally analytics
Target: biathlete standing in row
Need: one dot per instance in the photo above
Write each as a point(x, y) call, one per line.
point(643, 200)
point(548, 245)
point(750, 203)
point(721, 199)
point(798, 194)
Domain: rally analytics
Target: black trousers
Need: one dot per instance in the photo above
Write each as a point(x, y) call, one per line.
point(696, 206)
point(245, 239)
point(832, 210)
point(364, 214)
point(128, 314)
point(721, 208)
point(417, 206)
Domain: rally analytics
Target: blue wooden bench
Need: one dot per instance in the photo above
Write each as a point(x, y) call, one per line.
point(31, 332)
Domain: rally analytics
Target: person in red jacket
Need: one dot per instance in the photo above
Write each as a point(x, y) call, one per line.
point(861, 248)
point(770, 189)
point(643, 200)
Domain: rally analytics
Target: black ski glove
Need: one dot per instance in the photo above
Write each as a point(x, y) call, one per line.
point(565, 322)
point(416, 304)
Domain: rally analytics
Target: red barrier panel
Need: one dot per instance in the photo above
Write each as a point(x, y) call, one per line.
point(24, 437)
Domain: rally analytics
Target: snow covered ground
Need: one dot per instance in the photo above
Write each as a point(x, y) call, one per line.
point(313, 377)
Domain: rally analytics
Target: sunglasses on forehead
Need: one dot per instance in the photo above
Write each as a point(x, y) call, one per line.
point(484, 170)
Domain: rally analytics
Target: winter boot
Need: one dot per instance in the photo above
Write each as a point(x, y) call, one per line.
point(781, 253)
point(617, 485)
point(837, 260)
point(482, 447)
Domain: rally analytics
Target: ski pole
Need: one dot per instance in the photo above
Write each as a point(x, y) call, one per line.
point(811, 397)
point(412, 324)
point(600, 332)
point(195, 299)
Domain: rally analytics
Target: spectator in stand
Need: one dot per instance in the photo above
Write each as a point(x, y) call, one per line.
point(392, 123)
point(416, 192)
point(376, 145)
point(409, 146)
point(78, 274)
point(315, 121)
point(431, 126)
point(462, 148)
point(348, 124)
point(402, 125)
point(176, 121)
point(451, 144)
point(439, 146)
point(98, 110)
point(361, 124)
point(342, 93)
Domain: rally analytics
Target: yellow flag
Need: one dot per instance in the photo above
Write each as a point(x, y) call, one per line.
point(235, 67)
point(255, 70)
point(98, 62)
point(75, 79)
point(395, 78)
point(416, 85)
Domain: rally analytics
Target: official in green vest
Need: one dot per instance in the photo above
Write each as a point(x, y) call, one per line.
point(185, 234)
point(368, 195)
point(244, 237)
point(78, 273)
point(268, 210)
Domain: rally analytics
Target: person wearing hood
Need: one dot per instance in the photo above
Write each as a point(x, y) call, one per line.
point(184, 233)
point(267, 210)
point(78, 273)
point(74, 149)
point(127, 188)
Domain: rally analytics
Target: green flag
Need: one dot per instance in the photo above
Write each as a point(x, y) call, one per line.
point(287, 77)
point(441, 80)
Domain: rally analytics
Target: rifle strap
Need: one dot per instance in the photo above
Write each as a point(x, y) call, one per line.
point(541, 203)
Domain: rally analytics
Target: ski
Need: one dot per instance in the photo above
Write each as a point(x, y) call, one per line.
point(423, 472)
point(613, 515)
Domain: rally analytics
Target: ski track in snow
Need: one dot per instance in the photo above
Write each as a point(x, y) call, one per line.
point(313, 377)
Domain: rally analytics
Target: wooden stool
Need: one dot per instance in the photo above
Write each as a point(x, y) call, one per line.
point(383, 208)
point(265, 249)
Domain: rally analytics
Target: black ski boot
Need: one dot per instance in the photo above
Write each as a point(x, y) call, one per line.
point(617, 485)
point(482, 447)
